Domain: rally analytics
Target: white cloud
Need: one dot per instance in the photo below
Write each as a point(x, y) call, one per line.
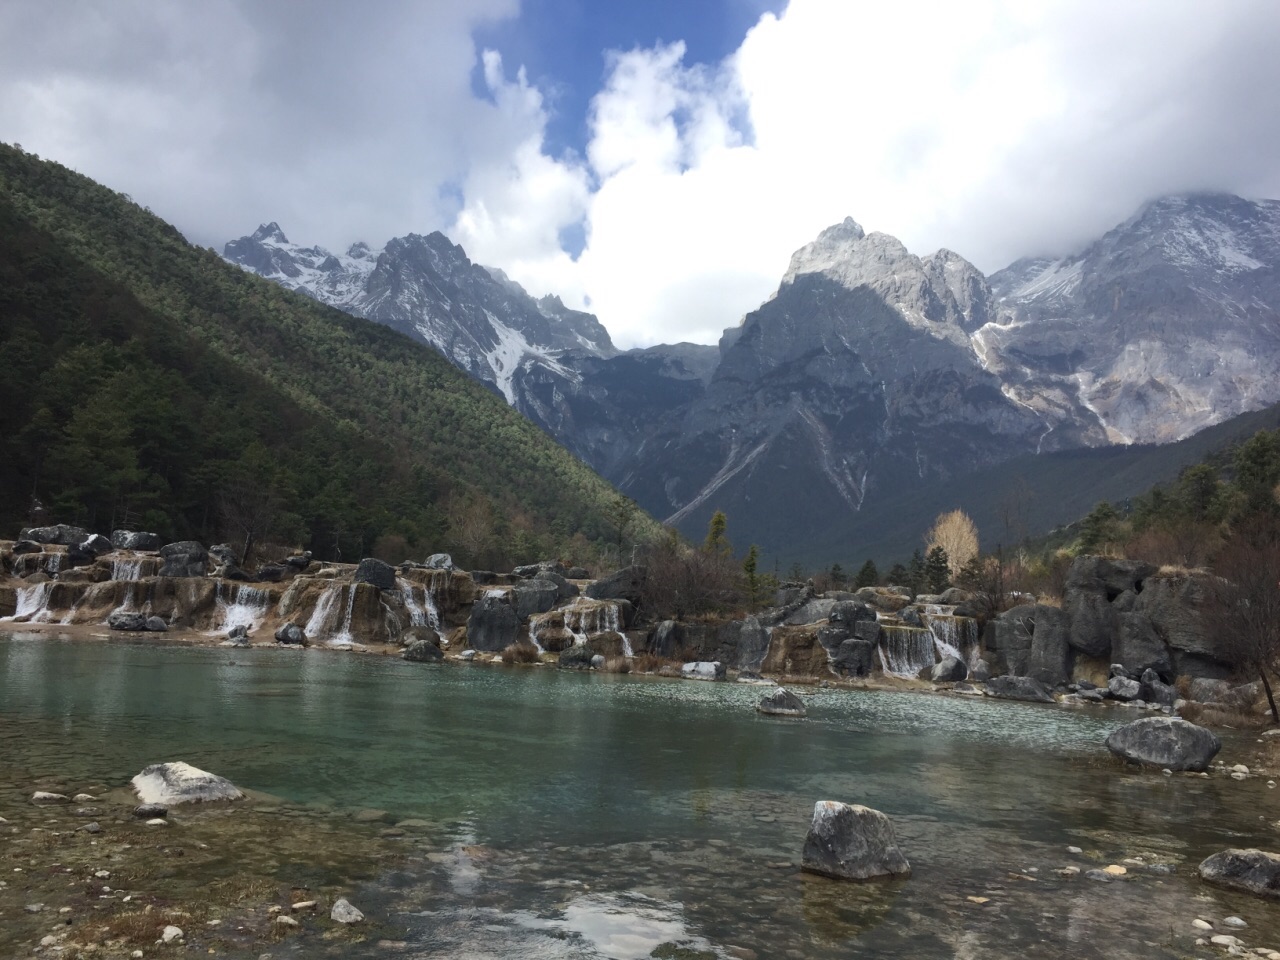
point(996, 129)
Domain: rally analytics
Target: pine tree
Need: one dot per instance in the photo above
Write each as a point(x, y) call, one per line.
point(869, 576)
point(717, 541)
point(1099, 527)
point(899, 575)
point(937, 570)
point(837, 575)
point(916, 579)
point(749, 570)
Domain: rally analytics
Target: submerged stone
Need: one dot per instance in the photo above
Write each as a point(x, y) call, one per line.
point(852, 842)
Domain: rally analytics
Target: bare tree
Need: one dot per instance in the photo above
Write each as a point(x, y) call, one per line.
point(1246, 594)
point(956, 534)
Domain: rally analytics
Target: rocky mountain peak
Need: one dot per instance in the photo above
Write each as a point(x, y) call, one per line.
point(270, 233)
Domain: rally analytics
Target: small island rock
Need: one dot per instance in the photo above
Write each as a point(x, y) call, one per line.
point(851, 842)
point(782, 703)
point(1165, 742)
point(170, 784)
point(344, 912)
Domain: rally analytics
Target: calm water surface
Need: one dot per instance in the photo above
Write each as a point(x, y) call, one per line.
point(604, 816)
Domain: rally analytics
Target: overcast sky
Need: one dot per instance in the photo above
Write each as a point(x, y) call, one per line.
point(660, 166)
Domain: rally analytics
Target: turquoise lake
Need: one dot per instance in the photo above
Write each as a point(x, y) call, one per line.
point(619, 815)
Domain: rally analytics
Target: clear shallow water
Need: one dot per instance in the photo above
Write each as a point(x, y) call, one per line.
point(588, 816)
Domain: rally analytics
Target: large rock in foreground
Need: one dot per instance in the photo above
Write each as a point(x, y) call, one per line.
point(851, 842)
point(1166, 742)
point(170, 784)
point(1253, 871)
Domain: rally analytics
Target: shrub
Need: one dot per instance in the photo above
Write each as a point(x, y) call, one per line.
point(617, 665)
point(521, 653)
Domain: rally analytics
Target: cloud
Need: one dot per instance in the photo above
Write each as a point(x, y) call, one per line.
point(995, 129)
point(339, 120)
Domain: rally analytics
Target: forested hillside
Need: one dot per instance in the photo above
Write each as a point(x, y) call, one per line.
point(148, 383)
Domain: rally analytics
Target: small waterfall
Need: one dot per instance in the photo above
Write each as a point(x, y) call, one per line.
point(626, 646)
point(343, 637)
point(128, 569)
point(53, 563)
point(584, 617)
point(324, 606)
point(245, 607)
point(130, 604)
point(33, 604)
point(952, 635)
point(533, 635)
point(905, 651)
point(420, 615)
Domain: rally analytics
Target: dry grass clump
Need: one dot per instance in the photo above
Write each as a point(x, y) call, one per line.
point(521, 653)
point(617, 665)
point(1218, 715)
point(652, 663)
point(1183, 685)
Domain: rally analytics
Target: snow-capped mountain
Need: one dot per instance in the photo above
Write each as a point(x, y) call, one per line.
point(1167, 324)
point(870, 372)
point(426, 287)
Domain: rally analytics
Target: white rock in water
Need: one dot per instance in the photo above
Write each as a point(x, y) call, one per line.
point(1226, 940)
point(43, 796)
point(171, 933)
point(1234, 922)
point(174, 783)
point(1199, 924)
point(344, 912)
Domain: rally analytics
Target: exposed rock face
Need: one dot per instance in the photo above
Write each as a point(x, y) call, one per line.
point(1051, 657)
point(1165, 742)
point(171, 784)
point(625, 584)
point(1018, 688)
point(375, 572)
point(782, 703)
point(856, 657)
point(1122, 688)
point(850, 842)
point(535, 596)
point(438, 561)
point(1179, 608)
point(185, 558)
point(1254, 871)
point(949, 670)
point(1138, 647)
point(135, 540)
point(494, 625)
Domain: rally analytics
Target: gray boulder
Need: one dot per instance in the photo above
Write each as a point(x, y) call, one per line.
point(950, 670)
point(1155, 690)
point(1253, 871)
point(131, 622)
point(535, 596)
point(578, 573)
point(1111, 576)
point(438, 561)
point(1208, 690)
point(850, 842)
point(344, 912)
point(743, 643)
point(781, 703)
point(185, 558)
point(666, 639)
point(238, 636)
point(1017, 688)
point(704, 670)
point(1138, 647)
point(271, 573)
point(531, 571)
point(625, 584)
point(135, 540)
point(493, 625)
point(1093, 621)
point(96, 545)
point(157, 624)
point(1009, 637)
point(955, 595)
point(1050, 658)
point(299, 561)
point(375, 572)
point(1165, 742)
point(855, 657)
point(62, 534)
point(576, 657)
point(170, 784)
point(1181, 610)
point(422, 650)
point(291, 634)
point(1122, 688)
point(980, 672)
point(850, 613)
point(224, 555)
point(27, 546)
